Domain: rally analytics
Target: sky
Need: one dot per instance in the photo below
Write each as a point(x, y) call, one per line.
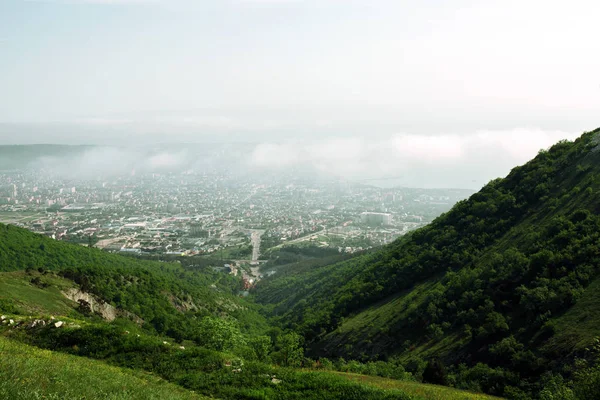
point(442, 93)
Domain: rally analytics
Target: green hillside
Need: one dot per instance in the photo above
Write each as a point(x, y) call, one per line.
point(145, 324)
point(506, 280)
point(19, 295)
point(30, 373)
point(166, 297)
point(431, 392)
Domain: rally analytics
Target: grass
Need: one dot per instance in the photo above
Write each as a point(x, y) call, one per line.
point(376, 320)
point(27, 298)
point(232, 252)
point(30, 373)
point(579, 326)
point(414, 389)
point(451, 341)
point(388, 312)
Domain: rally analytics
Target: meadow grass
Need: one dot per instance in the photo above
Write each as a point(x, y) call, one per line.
point(578, 327)
point(26, 298)
point(415, 389)
point(27, 372)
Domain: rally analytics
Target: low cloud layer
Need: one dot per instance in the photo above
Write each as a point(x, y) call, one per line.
point(101, 162)
point(468, 160)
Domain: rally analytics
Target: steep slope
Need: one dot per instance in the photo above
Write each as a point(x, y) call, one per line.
point(494, 280)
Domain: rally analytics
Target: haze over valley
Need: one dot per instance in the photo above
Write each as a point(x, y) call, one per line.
point(299, 199)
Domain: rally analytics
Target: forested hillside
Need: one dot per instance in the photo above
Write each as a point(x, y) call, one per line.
point(167, 297)
point(499, 280)
point(168, 323)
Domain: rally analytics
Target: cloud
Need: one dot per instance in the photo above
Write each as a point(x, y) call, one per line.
point(107, 161)
point(167, 160)
point(444, 160)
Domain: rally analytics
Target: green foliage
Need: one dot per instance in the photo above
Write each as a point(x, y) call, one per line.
point(30, 373)
point(556, 388)
point(435, 372)
point(19, 295)
point(290, 353)
point(204, 371)
point(171, 299)
point(219, 334)
point(501, 269)
point(587, 383)
point(262, 346)
point(415, 389)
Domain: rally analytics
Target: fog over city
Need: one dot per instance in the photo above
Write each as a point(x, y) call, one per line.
point(300, 199)
point(431, 94)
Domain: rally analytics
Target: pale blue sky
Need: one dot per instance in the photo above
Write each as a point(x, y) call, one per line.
point(71, 60)
point(96, 71)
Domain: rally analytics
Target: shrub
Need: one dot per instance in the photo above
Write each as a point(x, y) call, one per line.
point(435, 372)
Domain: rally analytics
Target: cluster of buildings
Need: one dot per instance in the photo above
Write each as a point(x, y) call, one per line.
point(214, 213)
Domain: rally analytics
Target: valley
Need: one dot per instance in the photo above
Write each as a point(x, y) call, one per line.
point(496, 297)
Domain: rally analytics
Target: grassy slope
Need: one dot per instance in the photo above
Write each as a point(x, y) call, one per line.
point(418, 390)
point(29, 373)
point(28, 298)
point(145, 288)
point(579, 326)
point(372, 325)
point(370, 328)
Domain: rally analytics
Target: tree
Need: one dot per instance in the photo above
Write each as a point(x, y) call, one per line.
point(291, 352)
point(219, 334)
point(91, 241)
point(262, 347)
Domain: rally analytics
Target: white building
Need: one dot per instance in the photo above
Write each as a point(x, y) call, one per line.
point(372, 218)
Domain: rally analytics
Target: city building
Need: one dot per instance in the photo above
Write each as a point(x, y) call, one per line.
point(372, 218)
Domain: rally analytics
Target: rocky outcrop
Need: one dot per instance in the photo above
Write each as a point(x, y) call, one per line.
point(182, 305)
point(98, 306)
